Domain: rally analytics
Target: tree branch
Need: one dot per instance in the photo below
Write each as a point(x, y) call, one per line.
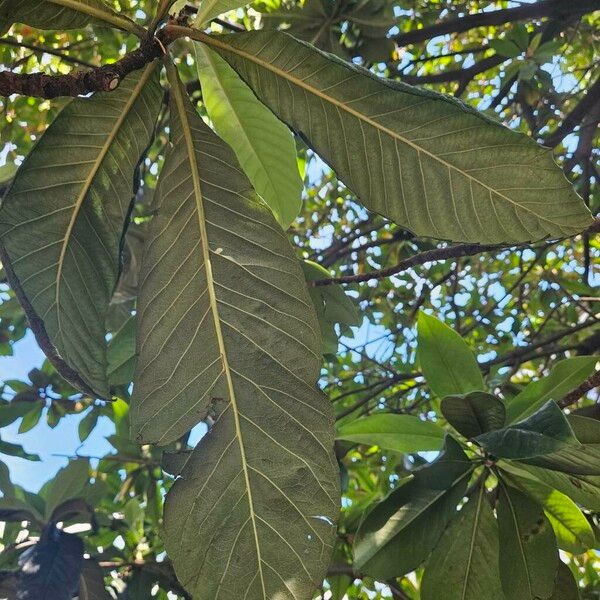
point(573, 396)
point(576, 116)
point(99, 79)
point(547, 8)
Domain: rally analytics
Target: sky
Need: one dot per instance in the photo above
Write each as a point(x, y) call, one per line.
point(47, 442)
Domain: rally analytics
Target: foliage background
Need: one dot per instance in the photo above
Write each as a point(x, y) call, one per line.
point(521, 311)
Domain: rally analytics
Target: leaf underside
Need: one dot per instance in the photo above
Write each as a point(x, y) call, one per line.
point(62, 222)
point(226, 330)
point(424, 160)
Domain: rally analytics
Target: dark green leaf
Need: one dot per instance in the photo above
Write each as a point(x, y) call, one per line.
point(62, 220)
point(16, 450)
point(464, 564)
point(423, 160)
point(545, 431)
point(400, 532)
point(121, 354)
point(91, 582)
point(528, 553)
point(473, 414)
point(236, 522)
point(566, 586)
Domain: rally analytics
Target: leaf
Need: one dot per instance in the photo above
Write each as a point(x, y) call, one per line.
point(565, 587)
point(572, 530)
point(232, 336)
point(16, 450)
point(264, 146)
point(121, 354)
point(333, 306)
point(62, 221)
point(545, 431)
point(528, 553)
point(6, 485)
point(447, 362)
point(426, 161)
point(586, 430)
point(87, 424)
point(400, 433)
point(91, 582)
point(14, 510)
point(474, 413)
point(505, 48)
point(583, 489)
point(52, 567)
point(464, 564)
point(32, 418)
point(75, 509)
point(400, 532)
point(70, 482)
point(209, 9)
point(565, 375)
point(64, 14)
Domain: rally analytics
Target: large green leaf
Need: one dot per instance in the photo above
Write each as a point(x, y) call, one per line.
point(426, 161)
point(583, 489)
point(474, 413)
point(546, 431)
point(70, 482)
point(528, 553)
point(62, 222)
point(544, 439)
point(464, 564)
point(565, 375)
point(401, 531)
point(226, 330)
point(573, 531)
point(263, 145)
point(64, 14)
point(447, 362)
point(401, 433)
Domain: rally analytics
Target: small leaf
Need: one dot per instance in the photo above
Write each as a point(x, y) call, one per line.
point(14, 510)
point(400, 532)
point(87, 424)
point(474, 413)
point(566, 375)
point(51, 569)
point(447, 362)
point(209, 9)
point(464, 564)
point(70, 482)
point(263, 145)
point(528, 553)
point(16, 450)
point(572, 530)
point(586, 430)
point(62, 220)
point(400, 433)
point(333, 306)
point(505, 48)
point(32, 418)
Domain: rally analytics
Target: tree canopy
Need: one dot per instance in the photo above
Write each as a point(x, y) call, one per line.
point(348, 245)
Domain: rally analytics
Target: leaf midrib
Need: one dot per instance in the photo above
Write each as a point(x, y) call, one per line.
point(89, 181)
point(212, 41)
point(472, 541)
point(179, 99)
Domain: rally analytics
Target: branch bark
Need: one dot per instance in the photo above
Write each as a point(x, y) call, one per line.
point(546, 8)
point(574, 395)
